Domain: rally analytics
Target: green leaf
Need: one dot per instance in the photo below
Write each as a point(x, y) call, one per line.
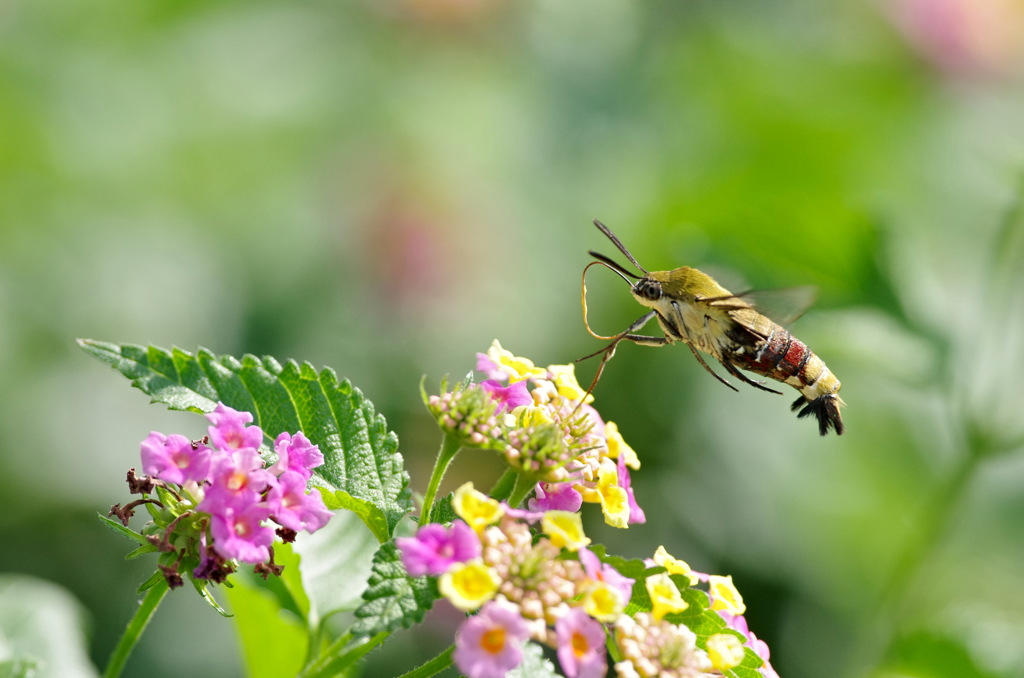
point(534, 665)
point(273, 641)
point(18, 668)
point(337, 560)
point(372, 516)
point(41, 625)
point(360, 454)
point(745, 671)
point(127, 533)
point(443, 512)
point(202, 588)
point(392, 598)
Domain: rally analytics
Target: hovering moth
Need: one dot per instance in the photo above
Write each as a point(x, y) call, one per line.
point(692, 308)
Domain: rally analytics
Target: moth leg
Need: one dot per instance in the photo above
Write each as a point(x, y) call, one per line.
point(731, 369)
point(609, 350)
point(710, 371)
point(644, 340)
point(628, 334)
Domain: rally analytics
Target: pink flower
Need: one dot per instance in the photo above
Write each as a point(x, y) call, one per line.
point(434, 549)
point(241, 534)
point(490, 368)
point(507, 397)
point(237, 480)
point(556, 497)
point(293, 507)
point(296, 453)
point(488, 645)
point(173, 459)
point(230, 430)
point(581, 645)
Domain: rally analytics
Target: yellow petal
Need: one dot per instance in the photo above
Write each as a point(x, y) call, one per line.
point(674, 565)
point(476, 508)
point(517, 368)
point(617, 445)
point(725, 595)
point(724, 650)
point(469, 585)
point(565, 529)
point(614, 499)
point(665, 596)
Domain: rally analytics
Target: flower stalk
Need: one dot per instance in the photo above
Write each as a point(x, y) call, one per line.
point(450, 446)
point(136, 625)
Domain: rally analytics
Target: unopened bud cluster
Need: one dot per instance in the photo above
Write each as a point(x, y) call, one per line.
point(469, 414)
point(539, 451)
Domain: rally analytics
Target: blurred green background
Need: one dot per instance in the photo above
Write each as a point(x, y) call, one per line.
point(386, 186)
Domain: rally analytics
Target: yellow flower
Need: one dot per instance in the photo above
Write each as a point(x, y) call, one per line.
point(665, 596)
point(565, 382)
point(516, 367)
point(603, 602)
point(565, 529)
point(674, 565)
point(469, 585)
point(614, 500)
point(724, 595)
point(617, 446)
point(589, 494)
point(724, 650)
point(476, 508)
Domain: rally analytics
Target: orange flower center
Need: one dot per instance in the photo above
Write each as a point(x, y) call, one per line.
point(579, 644)
point(493, 641)
point(237, 481)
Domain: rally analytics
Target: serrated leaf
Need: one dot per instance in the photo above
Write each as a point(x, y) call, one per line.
point(372, 516)
point(534, 664)
point(746, 670)
point(360, 454)
point(392, 598)
point(337, 560)
point(443, 511)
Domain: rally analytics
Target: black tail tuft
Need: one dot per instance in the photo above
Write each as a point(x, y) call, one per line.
point(825, 408)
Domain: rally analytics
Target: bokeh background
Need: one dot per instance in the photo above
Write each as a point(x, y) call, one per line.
point(386, 186)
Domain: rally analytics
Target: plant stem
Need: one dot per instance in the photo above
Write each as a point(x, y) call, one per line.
point(450, 446)
point(137, 624)
point(502, 489)
point(524, 483)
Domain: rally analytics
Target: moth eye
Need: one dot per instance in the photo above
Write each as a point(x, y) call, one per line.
point(649, 289)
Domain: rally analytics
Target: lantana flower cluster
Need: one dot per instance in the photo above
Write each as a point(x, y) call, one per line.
point(216, 498)
point(529, 575)
point(544, 424)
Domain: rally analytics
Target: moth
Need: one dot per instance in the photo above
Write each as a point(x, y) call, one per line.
point(692, 308)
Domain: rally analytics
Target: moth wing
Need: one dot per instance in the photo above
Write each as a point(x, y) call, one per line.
point(782, 305)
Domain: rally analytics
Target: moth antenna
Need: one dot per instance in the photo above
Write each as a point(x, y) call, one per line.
point(618, 243)
point(615, 266)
